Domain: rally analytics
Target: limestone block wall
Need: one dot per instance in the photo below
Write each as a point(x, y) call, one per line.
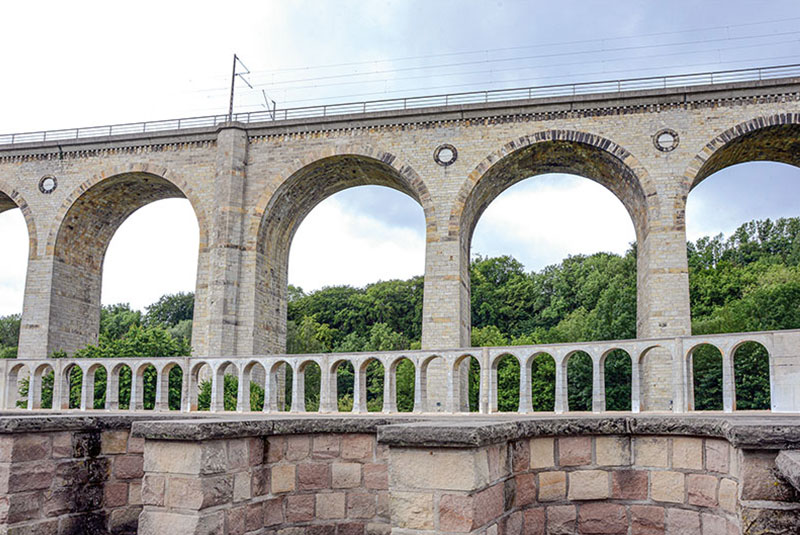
point(70, 482)
point(252, 185)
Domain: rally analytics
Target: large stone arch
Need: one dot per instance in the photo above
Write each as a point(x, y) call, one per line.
point(281, 209)
point(552, 151)
point(773, 138)
point(10, 199)
point(77, 242)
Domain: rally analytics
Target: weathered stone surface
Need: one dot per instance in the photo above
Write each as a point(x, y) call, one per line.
point(667, 487)
point(346, 475)
point(588, 485)
point(330, 505)
point(702, 490)
point(438, 469)
point(574, 451)
point(310, 476)
point(682, 522)
point(412, 510)
point(651, 452)
point(561, 519)
point(647, 520)
point(769, 521)
point(717, 456)
point(552, 486)
point(629, 484)
point(361, 505)
point(113, 442)
point(605, 518)
point(283, 478)
point(613, 451)
point(300, 508)
point(687, 453)
point(542, 452)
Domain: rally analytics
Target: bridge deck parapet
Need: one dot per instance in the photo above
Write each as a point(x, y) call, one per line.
point(268, 372)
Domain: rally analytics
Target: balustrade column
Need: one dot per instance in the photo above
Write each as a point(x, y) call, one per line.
point(525, 404)
point(58, 388)
point(269, 393)
point(561, 402)
point(112, 390)
point(186, 390)
point(241, 390)
point(87, 398)
point(298, 390)
point(326, 394)
point(162, 401)
point(635, 384)
point(486, 373)
point(359, 404)
point(420, 397)
point(453, 401)
point(728, 384)
point(389, 402)
point(32, 393)
point(598, 385)
point(217, 404)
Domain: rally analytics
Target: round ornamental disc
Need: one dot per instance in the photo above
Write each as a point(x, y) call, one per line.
point(445, 155)
point(48, 184)
point(666, 140)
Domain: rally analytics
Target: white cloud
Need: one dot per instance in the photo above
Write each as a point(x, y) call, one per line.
point(153, 253)
point(335, 246)
point(14, 263)
point(544, 219)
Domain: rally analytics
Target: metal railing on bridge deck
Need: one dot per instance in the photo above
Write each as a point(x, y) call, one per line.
point(409, 103)
point(446, 368)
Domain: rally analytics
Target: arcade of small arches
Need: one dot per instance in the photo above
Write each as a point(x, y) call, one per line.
point(279, 383)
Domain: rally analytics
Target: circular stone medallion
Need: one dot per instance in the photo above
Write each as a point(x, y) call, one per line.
point(445, 155)
point(666, 140)
point(48, 184)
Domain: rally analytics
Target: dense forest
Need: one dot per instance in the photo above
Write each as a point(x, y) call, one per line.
point(747, 282)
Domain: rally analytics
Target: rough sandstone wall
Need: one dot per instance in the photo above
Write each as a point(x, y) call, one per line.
point(70, 482)
point(311, 483)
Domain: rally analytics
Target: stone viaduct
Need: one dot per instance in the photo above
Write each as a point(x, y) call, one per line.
point(251, 185)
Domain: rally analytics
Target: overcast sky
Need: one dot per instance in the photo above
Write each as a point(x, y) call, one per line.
point(68, 64)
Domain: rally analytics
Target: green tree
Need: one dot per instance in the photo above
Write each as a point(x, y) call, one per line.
point(170, 310)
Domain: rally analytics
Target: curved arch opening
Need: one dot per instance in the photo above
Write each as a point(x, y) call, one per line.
point(172, 387)
point(751, 377)
point(225, 387)
point(255, 377)
point(705, 389)
point(113, 220)
point(356, 214)
point(13, 270)
point(17, 385)
point(578, 235)
point(617, 380)
point(374, 374)
point(344, 381)
point(579, 381)
point(505, 375)
point(403, 373)
point(119, 388)
point(469, 392)
point(543, 382)
point(200, 387)
point(43, 382)
point(744, 253)
point(311, 383)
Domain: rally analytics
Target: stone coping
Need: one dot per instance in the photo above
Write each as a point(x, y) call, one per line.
point(751, 430)
point(763, 431)
point(20, 422)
